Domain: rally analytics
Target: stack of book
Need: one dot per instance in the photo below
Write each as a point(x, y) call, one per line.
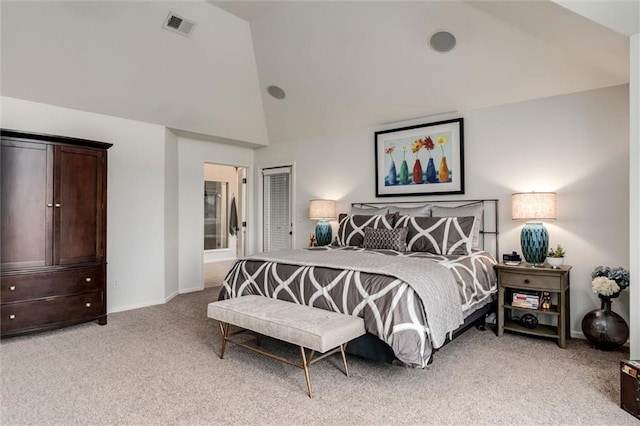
point(526, 300)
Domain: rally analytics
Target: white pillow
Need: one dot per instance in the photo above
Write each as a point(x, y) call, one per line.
point(474, 210)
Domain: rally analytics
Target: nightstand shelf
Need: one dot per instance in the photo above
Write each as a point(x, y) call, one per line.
point(541, 330)
point(530, 279)
point(551, 311)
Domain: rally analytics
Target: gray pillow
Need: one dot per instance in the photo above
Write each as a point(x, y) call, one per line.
point(371, 211)
point(387, 239)
point(351, 227)
point(411, 211)
point(440, 235)
point(474, 210)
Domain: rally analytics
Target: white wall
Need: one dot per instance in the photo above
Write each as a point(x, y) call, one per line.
point(135, 194)
point(171, 211)
point(576, 145)
point(193, 154)
point(154, 194)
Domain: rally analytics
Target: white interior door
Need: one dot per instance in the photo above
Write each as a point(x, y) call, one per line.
point(277, 209)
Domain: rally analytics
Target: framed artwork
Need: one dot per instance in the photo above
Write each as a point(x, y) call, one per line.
point(420, 160)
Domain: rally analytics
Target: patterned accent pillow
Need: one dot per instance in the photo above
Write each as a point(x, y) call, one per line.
point(387, 239)
point(440, 235)
point(351, 227)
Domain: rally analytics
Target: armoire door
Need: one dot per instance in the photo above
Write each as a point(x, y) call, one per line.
point(79, 213)
point(26, 208)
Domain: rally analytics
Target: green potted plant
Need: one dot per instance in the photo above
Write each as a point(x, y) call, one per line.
point(555, 258)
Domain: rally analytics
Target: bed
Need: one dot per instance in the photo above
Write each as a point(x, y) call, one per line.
point(418, 274)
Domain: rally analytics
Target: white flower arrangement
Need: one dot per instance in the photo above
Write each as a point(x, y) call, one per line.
point(604, 286)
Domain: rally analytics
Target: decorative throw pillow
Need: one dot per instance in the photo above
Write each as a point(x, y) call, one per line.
point(388, 239)
point(474, 210)
point(351, 227)
point(440, 235)
point(403, 220)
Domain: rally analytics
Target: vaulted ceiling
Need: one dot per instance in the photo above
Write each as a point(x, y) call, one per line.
point(344, 65)
point(349, 65)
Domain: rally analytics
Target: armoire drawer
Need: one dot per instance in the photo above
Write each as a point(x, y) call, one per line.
point(25, 316)
point(31, 286)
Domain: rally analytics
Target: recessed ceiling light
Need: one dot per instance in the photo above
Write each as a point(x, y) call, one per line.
point(442, 41)
point(276, 92)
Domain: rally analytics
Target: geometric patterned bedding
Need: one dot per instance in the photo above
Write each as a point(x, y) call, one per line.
point(390, 307)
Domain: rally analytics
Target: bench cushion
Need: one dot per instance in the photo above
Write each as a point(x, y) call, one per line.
point(312, 328)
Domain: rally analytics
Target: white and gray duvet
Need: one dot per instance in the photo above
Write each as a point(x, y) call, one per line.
point(411, 301)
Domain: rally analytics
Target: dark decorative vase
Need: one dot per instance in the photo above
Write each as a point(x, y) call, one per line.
point(431, 171)
point(603, 328)
point(392, 177)
point(417, 171)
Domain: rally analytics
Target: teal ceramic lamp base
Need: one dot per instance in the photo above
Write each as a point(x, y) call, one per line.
point(323, 233)
point(534, 240)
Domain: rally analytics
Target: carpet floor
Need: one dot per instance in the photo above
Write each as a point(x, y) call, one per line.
point(160, 365)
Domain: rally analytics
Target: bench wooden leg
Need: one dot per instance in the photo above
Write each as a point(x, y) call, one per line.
point(224, 331)
point(344, 359)
point(306, 370)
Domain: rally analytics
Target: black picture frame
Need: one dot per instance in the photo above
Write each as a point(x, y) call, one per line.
point(442, 141)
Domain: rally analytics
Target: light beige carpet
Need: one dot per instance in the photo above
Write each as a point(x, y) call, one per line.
point(160, 365)
point(214, 272)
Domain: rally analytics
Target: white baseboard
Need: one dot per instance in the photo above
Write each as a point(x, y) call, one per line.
point(136, 306)
point(191, 289)
point(152, 303)
point(577, 335)
point(580, 335)
point(171, 296)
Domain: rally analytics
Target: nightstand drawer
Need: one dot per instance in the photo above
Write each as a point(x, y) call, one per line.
point(530, 281)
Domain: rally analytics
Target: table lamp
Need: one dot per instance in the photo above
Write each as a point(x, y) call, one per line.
point(322, 211)
point(532, 207)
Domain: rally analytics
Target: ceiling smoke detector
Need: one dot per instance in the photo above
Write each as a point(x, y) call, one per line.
point(442, 41)
point(179, 24)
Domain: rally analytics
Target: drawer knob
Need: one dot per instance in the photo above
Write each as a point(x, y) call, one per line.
point(12, 316)
point(12, 288)
point(57, 205)
point(88, 305)
point(526, 281)
point(88, 279)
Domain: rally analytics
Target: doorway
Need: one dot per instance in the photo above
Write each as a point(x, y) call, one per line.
point(225, 212)
point(277, 208)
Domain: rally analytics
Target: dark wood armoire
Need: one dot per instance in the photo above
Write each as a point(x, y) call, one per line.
point(53, 213)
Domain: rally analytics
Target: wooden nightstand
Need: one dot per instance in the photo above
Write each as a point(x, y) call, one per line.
point(537, 279)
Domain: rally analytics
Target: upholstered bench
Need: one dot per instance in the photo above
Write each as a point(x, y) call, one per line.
point(310, 328)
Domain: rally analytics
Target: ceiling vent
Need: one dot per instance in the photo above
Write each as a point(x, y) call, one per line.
point(178, 24)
